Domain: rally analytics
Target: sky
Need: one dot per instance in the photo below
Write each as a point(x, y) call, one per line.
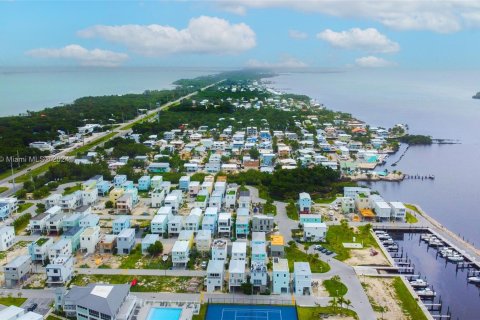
point(242, 33)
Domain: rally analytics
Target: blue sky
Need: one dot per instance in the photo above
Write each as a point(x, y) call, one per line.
point(238, 33)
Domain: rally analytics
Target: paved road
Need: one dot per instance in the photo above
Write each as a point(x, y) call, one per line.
point(143, 272)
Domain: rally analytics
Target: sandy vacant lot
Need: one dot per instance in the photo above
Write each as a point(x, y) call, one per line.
point(381, 293)
point(362, 257)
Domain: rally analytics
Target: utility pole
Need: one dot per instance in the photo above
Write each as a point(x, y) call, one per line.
point(13, 178)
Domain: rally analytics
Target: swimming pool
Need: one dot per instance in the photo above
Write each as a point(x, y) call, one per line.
point(164, 314)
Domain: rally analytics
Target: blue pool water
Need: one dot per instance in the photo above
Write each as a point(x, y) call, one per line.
point(164, 314)
point(248, 312)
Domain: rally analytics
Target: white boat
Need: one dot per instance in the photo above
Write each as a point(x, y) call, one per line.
point(392, 247)
point(447, 252)
point(388, 242)
point(426, 236)
point(455, 258)
point(427, 292)
point(379, 232)
point(474, 279)
point(418, 283)
point(435, 242)
point(384, 236)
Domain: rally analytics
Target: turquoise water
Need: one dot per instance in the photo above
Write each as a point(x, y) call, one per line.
point(164, 314)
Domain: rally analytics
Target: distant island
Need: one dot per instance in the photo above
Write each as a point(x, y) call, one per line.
point(477, 96)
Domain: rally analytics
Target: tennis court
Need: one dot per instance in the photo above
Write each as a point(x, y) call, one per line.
point(250, 312)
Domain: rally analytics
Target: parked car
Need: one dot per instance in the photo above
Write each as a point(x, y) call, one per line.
point(317, 247)
point(203, 265)
point(32, 307)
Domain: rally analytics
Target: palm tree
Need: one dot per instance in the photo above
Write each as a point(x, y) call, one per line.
point(333, 303)
point(347, 302)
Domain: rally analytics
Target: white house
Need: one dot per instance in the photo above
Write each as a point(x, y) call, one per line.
point(314, 231)
point(237, 276)
point(89, 239)
point(259, 275)
point(192, 221)
point(62, 247)
point(125, 241)
point(399, 211)
point(215, 276)
point(157, 197)
point(219, 250)
point(7, 237)
point(159, 224)
point(180, 253)
point(302, 278)
point(203, 240)
point(175, 225)
point(280, 276)
point(239, 250)
point(225, 224)
point(59, 271)
point(231, 198)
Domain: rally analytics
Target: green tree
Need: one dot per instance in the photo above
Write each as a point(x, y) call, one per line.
point(155, 248)
point(254, 153)
point(109, 204)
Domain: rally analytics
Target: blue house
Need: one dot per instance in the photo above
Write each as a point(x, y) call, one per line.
point(144, 183)
point(242, 226)
point(118, 180)
point(120, 224)
point(103, 188)
point(127, 185)
point(267, 159)
point(184, 183)
point(265, 135)
point(73, 234)
point(148, 241)
point(159, 167)
point(304, 203)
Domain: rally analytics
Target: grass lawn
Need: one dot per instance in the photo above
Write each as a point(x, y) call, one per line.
point(269, 208)
point(325, 200)
point(335, 287)
point(296, 255)
point(21, 222)
point(130, 260)
point(145, 283)
point(91, 144)
point(3, 189)
point(308, 313)
point(70, 190)
point(50, 317)
point(338, 234)
point(407, 301)
point(35, 172)
point(24, 206)
point(412, 207)
point(202, 314)
point(292, 211)
point(410, 218)
point(263, 192)
point(11, 301)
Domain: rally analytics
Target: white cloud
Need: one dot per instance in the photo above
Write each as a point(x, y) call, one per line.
point(207, 35)
point(443, 16)
point(299, 35)
point(286, 62)
point(369, 40)
point(373, 62)
point(94, 57)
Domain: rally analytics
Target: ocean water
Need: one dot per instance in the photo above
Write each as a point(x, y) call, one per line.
point(432, 102)
point(32, 89)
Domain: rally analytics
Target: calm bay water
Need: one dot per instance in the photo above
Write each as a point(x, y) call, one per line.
point(25, 89)
point(436, 103)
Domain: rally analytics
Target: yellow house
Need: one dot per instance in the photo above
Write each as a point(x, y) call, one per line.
point(115, 194)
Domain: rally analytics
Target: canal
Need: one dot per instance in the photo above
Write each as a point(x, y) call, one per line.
point(447, 280)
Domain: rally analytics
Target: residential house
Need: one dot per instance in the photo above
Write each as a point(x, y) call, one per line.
point(175, 225)
point(156, 182)
point(59, 271)
point(277, 246)
point(148, 241)
point(310, 218)
point(203, 240)
point(216, 199)
point(186, 235)
point(157, 197)
point(181, 253)
point(159, 167)
point(89, 239)
point(193, 188)
point(38, 250)
point(174, 200)
point(244, 199)
point(201, 199)
point(120, 224)
point(262, 223)
point(103, 188)
point(17, 270)
point(304, 203)
point(89, 220)
point(52, 200)
point(399, 211)
point(54, 223)
point(215, 276)
point(107, 244)
point(118, 180)
point(126, 241)
point(89, 192)
point(192, 221)
point(115, 194)
point(219, 250)
point(239, 250)
point(7, 237)
point(259, 275)
point(71, 201)
point(237, 276)
point(242, 226)
point(17, 313)
point(159, 224)
point(124, 204)
point(71, 221)
point(302, 278)
point(209, 223)
point(144, 183)
point(351, 192)
point(224, 224)
point(73, 234)
point(184, 183)
point(98, 302)
point(314, 231)
point(280, 276)
point(62, 247)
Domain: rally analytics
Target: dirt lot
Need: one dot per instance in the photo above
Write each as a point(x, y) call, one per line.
point(381, 294)
point(93, 261)
point(362, 257)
